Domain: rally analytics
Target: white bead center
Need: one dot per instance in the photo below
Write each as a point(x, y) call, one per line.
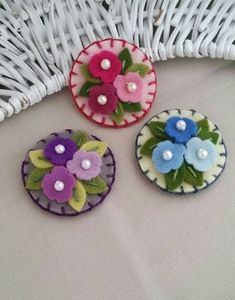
point(102, 99)
point(86, 164)
point(181, 125)
point(59, 186)
point(202, 154)
point(60, 149)
point(131, 87)
point(105, 64)
point(167, 155)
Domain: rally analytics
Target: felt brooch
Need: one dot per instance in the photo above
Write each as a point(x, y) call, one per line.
point(113, 83)
point(69, 173)
point(181, 151)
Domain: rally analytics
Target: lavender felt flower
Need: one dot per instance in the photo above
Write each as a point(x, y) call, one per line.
point(58, 185)
point(85, 165)
point(60, 150)
point(168, 156)
point(180, 129)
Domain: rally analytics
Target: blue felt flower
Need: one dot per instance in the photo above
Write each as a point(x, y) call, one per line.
point(201, 154)
point(168, 156)
point(180, 129)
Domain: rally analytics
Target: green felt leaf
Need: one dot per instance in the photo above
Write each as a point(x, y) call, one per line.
point(202, 125)
point(38, 160)
point(117, 115)
point(35, 179)
point(131, 107)
point(209, 135)
point(149, 146)
point(175, 178)
point(78, 200)
point(84, 91)
point(86, 73)
point(139, 68)
point(192, 176)
point(80, 138)
point(95, 186)
point(126, 59)
point(96, 146)
point(158, 129)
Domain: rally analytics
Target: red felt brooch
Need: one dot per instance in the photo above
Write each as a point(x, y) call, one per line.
point(113, 83)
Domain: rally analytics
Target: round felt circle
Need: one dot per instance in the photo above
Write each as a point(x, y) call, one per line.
point(107, 175)
point(146, 163)
point(133, 60)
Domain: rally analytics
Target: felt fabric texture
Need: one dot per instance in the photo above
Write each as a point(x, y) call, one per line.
point(60, 159)
point(34, 180)
point(121, 82)
point(175, 178)
point(96, 70)
point(74, 166)
point(164, 166)
point(191, 155)
point(126, 59)
point(58, 173)
point(38, 159)
point(180, 136)
point(82, 81)
point(188, 177)
point(78, 200)
point(70, 202)
point(107, 90)
point(95, 186)
point(97, 146)
point(87, 75)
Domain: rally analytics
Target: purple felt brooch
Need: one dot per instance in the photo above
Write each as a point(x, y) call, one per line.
point(69, 173)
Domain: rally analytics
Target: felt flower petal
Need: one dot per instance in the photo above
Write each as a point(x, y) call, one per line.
point(107, 75)
point(204, 162)
point(106, 90)
point(122, 82)
point(57, 157)
point(85, 165)
point(58, 175)
point(164, 166)
point(180, 135)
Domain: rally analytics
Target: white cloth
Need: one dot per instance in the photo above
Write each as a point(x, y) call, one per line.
point(140, 243)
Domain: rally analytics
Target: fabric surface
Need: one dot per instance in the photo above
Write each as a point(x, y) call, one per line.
point(141, 243)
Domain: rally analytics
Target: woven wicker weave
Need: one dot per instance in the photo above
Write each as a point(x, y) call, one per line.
point(40, 38)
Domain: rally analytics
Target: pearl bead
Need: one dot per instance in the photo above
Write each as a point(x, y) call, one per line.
point(105, 64)
point(86, 164)
point(59, 186)
point(181, 125)
point(102, 99)
point(167, 155)
point(202, 154)
point(60, 149)
point(131, 87)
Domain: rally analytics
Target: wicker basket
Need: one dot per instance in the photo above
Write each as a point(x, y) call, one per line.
point(40, 38)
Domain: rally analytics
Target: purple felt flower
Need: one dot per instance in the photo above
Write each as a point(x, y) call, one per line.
point(60, 150)
point(85, 165)
point(58, 184)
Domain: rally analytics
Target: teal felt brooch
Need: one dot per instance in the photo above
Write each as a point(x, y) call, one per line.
point(181, 151)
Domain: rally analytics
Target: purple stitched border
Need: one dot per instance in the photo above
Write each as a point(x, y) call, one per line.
point(36, 200)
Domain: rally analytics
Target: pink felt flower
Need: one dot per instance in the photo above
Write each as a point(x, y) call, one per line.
point(58, 184)
point(105, 65)
point(85, 165)
point(102, 99)
point(129, 87)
